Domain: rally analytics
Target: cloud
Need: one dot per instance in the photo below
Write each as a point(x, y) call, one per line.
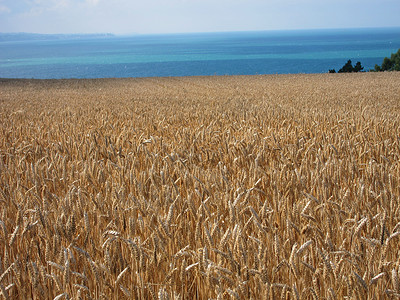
point(39, 7)
point(93, 2)
point(159, 16)
point(4, 9)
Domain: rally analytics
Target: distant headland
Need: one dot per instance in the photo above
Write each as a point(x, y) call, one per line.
point(23, 36)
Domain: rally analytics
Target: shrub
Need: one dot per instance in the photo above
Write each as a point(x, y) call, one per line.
point(348, 68)
point(389, 64)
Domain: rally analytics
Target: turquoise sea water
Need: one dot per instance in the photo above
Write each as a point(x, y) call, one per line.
point(233, 53)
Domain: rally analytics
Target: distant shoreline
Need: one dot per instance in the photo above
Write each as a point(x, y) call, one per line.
point(22, 36)
point(34, 36)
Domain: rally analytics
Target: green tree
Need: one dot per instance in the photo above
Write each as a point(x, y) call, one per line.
point(395, 58)
point(389, 64)
point(348, 68)
point(358, 67)
point(377, 68)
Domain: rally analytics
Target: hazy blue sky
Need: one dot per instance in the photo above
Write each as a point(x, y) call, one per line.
point(167, 16)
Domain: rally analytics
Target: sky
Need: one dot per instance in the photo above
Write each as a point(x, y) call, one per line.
point(179, 16)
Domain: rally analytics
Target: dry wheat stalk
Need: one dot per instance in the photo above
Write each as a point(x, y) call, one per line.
point(200, 187)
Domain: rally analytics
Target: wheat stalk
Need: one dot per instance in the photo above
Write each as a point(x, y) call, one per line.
point(203, 187)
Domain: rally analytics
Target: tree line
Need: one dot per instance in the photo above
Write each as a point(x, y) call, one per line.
point(388, 64)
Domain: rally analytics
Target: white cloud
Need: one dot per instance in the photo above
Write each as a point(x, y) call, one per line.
point(4, 9)
point(37, 7)
point(93, 2)
point(155, 16)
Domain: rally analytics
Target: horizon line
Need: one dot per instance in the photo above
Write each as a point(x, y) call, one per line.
point(206, 32)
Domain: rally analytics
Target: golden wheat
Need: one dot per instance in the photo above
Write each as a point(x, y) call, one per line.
point(241, 187)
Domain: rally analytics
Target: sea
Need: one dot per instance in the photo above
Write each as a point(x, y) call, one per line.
point(223, 53)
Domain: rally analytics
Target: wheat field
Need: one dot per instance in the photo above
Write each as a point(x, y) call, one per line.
point(237, 187)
